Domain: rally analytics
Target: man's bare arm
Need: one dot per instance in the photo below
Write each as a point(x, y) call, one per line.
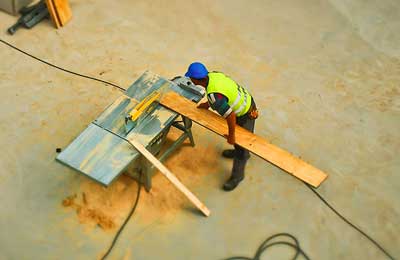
point(231, 121)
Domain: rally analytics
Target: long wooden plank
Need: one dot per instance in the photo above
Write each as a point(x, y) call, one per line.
point(171, 177)
point(255, 144)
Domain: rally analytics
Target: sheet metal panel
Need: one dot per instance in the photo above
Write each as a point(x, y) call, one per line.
point(149, 82)
point(113, 118)
point(103, 156)
point(98, 154)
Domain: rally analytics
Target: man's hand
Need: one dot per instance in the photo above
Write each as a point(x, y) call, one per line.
point(230, 138)
point(204, 105)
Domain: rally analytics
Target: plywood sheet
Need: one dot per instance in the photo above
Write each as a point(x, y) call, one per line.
point(255, 144)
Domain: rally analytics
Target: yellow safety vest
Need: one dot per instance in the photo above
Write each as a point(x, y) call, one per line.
point(239, 99)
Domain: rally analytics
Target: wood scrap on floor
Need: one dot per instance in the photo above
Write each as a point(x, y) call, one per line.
point(60, 12)
point(255, 144)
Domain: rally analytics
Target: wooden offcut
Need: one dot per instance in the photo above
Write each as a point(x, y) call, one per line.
point(255, 144)
point(60, 12)
point(170, 176)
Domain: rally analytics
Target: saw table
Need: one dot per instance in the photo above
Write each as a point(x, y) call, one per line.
point(135, 126)
point(101, 151)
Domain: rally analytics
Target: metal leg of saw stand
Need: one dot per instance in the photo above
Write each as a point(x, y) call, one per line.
point(148, 169)
point(186, 128)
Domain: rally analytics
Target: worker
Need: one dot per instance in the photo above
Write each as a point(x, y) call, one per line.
point(235, 104)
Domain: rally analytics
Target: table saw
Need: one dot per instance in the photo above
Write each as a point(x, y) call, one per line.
point(101, 151)
point(135, 126)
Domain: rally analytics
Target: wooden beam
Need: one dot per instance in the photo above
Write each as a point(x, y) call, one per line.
point(170, 176)
point(63, 11)
point(60, 11)
point(255, 144)
point(53, 13)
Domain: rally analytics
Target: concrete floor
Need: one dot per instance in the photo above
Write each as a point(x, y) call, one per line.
point(325, 74)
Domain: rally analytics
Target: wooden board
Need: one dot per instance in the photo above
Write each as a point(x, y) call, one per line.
point(60, 12)
point(63, 11)
point(171, 177)
point(53, 14)
point(246, 139)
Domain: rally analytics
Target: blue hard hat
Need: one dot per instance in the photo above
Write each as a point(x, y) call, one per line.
point(197, 70)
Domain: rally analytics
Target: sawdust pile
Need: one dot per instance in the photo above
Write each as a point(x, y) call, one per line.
point(89, 215)
point(107, 208)
point(96, 205)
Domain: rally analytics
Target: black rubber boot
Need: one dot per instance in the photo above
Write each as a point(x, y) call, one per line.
point(231, 184)
point(237, 174)
point(229, 153)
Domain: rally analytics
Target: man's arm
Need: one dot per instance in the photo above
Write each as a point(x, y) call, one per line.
point(204, 105)
point(231, 120)
point(219, 103)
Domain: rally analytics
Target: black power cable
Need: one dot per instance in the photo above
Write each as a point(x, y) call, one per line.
point(265, 245)
point(348, 222)
point(105, 82)
point(126, 220)
point(65, 70)
point(282, 242)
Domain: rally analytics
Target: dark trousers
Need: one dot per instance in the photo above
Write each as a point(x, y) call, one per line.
point(241, 154)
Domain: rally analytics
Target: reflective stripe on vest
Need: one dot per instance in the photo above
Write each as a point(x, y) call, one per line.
point(238, 98)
